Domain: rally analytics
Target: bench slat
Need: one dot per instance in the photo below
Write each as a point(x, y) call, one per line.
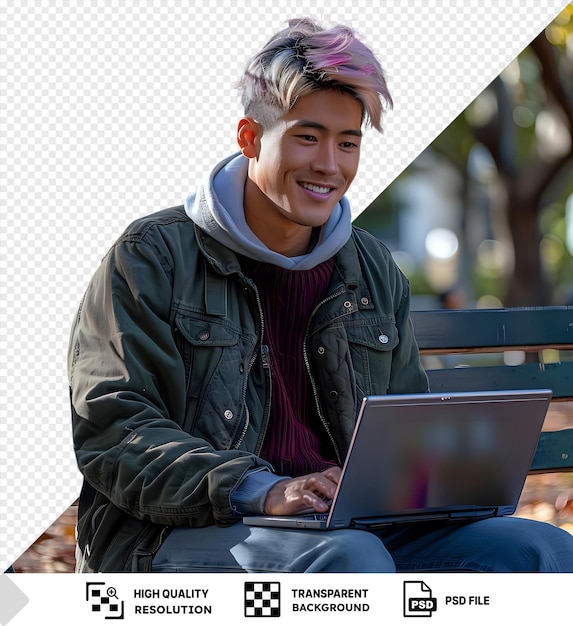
point(554, 452)
point(494, 328)
point(555, 376)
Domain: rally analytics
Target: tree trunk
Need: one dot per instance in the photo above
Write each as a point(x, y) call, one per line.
point(528, 284)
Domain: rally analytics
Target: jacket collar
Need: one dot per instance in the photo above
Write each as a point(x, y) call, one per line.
point(347, 265)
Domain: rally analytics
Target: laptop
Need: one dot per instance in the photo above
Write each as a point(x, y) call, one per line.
point(432, 456)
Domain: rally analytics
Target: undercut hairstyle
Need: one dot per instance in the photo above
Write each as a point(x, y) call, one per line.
point(306, 57)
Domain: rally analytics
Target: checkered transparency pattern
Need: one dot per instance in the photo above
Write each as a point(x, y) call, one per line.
point(262, 599)
point(112, 110)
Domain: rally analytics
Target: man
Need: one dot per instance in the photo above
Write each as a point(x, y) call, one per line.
point(222, 349)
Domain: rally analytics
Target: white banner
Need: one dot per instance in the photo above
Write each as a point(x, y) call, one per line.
point(283, 599)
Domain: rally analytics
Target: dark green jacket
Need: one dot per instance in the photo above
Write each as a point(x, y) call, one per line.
point(169, 386)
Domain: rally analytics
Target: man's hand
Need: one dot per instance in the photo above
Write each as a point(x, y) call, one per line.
point(296, 495)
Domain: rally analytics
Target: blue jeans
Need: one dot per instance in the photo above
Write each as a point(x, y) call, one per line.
point(506, 544)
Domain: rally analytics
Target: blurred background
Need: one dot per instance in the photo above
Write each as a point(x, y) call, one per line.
point(484, 216)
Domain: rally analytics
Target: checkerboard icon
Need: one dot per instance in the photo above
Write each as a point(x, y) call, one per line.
point(262, 599)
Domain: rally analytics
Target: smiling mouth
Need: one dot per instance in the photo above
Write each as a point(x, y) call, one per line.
point(316, 188)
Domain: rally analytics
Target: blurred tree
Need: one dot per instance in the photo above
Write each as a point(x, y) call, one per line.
point(525, 121)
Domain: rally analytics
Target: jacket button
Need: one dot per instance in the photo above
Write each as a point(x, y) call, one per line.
point(364, 301)
point(348, 304)
point(383, 339)
point(333, 395)
point(204, 335)
point(321, 350)
point(228, 414)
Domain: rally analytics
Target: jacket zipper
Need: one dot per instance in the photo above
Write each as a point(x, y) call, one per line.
point(264, 350)
point(332, 296)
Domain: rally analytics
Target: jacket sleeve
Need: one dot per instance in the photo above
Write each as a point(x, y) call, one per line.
point(128, 394)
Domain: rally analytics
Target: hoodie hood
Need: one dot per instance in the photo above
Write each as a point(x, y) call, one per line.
point(217, 208)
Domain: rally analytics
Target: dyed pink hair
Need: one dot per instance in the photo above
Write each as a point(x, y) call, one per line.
point(305, 57)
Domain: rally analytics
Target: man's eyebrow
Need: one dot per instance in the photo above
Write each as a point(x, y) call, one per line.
point(322, 127)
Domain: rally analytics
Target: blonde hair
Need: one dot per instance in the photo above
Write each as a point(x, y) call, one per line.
point(305, 57)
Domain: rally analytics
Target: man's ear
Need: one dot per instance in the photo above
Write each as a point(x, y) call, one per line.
point(248, 137)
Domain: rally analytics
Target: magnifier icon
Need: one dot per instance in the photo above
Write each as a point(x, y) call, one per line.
point(112, 593)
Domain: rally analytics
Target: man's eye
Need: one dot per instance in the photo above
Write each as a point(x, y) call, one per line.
point(308, 137)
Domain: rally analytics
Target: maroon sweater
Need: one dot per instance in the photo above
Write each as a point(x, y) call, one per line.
point(295, 442)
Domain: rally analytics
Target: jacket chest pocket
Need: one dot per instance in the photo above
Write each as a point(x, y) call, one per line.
point(371, 345)
point(216, 357)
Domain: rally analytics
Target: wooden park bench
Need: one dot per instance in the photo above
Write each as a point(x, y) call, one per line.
point(482, 338)
point(487, 339)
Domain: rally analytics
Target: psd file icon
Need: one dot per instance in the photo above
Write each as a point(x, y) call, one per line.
point(418, 599)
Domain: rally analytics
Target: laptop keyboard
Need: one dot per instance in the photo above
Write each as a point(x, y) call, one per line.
point(316, 517)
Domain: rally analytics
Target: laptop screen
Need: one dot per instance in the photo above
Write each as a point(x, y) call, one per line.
point(436, 452)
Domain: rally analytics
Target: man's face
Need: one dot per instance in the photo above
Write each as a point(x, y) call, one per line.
point(304, 163)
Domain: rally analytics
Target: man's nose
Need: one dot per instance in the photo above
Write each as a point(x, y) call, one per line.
point(325, 159)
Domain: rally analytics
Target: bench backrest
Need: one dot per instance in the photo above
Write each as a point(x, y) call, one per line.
point(485, 341)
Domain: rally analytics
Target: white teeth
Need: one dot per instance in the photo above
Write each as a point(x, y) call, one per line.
point(316, 188)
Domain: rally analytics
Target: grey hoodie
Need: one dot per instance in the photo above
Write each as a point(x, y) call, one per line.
point(217, 208)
